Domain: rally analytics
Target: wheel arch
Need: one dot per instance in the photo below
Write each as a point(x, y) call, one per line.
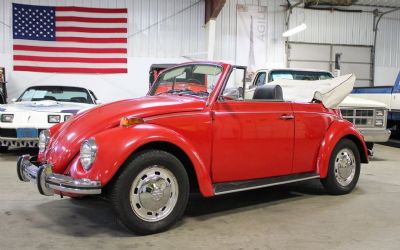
point(339, 130)
point(128, 143)
point(178, 153)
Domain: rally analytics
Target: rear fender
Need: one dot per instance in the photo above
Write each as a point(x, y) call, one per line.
point(338, 130)
point(116, 145)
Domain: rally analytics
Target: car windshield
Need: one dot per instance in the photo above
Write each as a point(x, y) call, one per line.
point(300, 75)
point(198, 80)
point(56, 93)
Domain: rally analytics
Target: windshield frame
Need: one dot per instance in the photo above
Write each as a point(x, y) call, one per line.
point(90, 98)
point(156, 83)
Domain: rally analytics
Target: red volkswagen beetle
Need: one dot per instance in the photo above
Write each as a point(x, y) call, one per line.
point(195, 130)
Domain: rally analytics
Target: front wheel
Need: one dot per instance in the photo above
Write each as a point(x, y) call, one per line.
point(344, 168)
point(151, 193)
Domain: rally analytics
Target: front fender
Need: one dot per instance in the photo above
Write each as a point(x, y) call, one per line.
point(337, 130)
point(116, 145)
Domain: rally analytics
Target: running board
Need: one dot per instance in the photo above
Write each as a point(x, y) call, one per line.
point(238, 186)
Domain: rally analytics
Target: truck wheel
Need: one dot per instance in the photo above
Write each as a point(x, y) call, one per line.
point(151, 193)
point(344, 168)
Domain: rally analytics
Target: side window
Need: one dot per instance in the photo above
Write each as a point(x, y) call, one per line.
point(260, 79)
point(234, 86)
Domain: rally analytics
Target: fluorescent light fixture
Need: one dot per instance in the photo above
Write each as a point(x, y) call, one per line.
point(295, 30)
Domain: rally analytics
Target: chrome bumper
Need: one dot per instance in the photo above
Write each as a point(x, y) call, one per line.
point(371, 135)
point(47, 181)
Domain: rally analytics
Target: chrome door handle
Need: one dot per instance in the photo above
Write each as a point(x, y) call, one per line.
point(287, 117)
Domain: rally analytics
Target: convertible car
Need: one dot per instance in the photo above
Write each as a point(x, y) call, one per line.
point(195, 131)
point(37, 109)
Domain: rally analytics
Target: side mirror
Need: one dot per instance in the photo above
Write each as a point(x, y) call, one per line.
point(99, 102)
point(13, 100)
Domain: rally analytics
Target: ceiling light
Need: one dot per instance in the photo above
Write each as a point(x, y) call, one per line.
point(295, 30)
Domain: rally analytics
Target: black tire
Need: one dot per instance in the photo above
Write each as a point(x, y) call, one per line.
point(3, 149)
point(331, 182)
point(121, 195)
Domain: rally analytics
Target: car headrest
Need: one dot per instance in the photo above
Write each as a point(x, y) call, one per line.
point(268, 92)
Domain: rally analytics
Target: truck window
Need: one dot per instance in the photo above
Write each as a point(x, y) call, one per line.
point(260, 79)
point(299, 75)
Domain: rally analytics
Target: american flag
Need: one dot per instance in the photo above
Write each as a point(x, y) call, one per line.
point(69, 39)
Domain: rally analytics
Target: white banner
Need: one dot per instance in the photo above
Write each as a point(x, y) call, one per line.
point(251, 38)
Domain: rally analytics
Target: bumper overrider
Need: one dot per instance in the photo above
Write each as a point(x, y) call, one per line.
point(47, 182)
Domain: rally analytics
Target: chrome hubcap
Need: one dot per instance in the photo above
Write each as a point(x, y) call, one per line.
point(154, 193)
point(345, 167)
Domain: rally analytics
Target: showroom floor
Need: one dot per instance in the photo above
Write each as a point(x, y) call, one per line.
point(297, 216)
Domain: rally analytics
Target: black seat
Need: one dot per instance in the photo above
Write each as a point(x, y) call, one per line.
point(79, 99)
point(52, 98)
point(268, 92)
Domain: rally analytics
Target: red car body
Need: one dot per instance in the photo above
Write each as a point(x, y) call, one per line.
point(221, 141)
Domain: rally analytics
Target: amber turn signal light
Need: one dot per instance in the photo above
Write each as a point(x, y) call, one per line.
point(129, 121)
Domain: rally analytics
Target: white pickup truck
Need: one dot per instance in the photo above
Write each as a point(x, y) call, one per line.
point(389, 95)
point(369, 116)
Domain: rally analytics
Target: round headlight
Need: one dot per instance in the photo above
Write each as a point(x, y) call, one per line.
point(88, 153)
point(44, 137)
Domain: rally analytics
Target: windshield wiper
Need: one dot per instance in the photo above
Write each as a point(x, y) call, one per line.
point(185, 91)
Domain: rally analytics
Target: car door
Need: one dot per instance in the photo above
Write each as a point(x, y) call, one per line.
point(251, 138)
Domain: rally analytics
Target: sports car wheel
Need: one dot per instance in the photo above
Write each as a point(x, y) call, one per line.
point(344, 168)
point(151, 193)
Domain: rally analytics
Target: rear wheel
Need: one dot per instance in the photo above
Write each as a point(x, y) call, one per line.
point(151, 193)
point(344, 168)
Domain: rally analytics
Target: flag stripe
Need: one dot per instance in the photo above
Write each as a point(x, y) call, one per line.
point(90, 10)
point(91, 40)
point(95, 15)
point(68, 44)
point(91, 30)
point(91, 35)
point(69, 54)
point(92, 25)
point(90, 19)
point(70, 64)
point(69, 59)
point(72, 70)
point(70, 49)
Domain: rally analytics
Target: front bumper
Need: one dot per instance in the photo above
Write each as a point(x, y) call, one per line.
point(47, 181)
point(372, 135)
point(19, 142)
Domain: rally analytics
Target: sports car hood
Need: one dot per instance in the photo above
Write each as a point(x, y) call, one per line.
point(44, 106)
point(65, 143)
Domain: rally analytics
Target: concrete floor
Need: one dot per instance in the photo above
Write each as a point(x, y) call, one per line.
point(296, 216)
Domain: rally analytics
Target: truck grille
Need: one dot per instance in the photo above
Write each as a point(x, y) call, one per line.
point(364, 117)
point(8, 132)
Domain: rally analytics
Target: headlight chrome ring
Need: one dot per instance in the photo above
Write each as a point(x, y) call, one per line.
point(88, 153)
point(44, 138)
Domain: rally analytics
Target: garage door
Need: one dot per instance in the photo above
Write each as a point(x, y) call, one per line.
point(354, 59)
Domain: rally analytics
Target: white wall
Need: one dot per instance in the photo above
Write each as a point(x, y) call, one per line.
point(159, 31)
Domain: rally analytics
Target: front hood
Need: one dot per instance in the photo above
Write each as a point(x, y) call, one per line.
point(356, 102)
point(65, 143)
point(44, 106)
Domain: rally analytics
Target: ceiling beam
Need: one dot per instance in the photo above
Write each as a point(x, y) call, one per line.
point(213, 8)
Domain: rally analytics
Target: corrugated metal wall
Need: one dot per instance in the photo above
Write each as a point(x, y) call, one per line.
point(225, 48)
point(333, 27)
point(388, 41)
point(157, 28)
